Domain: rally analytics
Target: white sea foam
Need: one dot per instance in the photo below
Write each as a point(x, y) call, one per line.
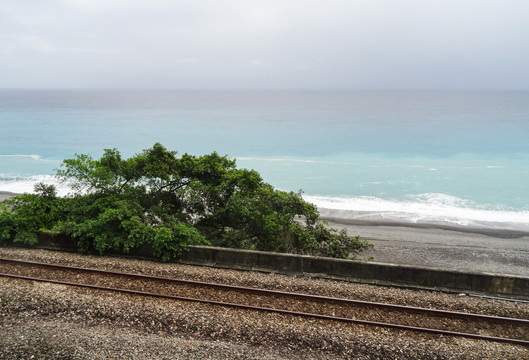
point(433, 208)
point(275, 159)
point(26, 184)
point(34, 157)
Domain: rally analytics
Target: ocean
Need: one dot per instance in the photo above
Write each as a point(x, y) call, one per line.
point(443, 158)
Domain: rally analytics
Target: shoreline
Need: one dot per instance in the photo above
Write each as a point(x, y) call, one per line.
point(496, 233)
point(7, 194)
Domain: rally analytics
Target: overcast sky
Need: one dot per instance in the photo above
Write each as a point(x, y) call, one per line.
point(265, 44)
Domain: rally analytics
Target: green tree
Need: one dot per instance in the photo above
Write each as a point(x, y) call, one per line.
point(167, 203)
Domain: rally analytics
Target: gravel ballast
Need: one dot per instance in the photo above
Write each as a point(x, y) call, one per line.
point(46, 321)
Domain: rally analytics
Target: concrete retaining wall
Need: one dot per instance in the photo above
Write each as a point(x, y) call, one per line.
point(348, 270)
point(360, 271)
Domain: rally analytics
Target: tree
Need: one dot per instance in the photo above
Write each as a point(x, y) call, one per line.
point(167, 203)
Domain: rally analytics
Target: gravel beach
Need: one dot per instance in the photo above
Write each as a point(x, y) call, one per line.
point(475, 250)
point(6, 195)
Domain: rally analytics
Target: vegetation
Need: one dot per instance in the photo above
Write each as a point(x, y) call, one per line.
point(166, 203)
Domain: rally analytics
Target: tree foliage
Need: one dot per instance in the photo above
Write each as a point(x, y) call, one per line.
point(167, 203)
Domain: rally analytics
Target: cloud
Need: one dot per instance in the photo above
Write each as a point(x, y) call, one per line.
point(344, 43)
point(186, 60)
point(41, 45)
point(257, 63)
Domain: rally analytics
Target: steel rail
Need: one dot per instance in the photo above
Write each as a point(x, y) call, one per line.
point(278, 311)
point(444, 313)
point(497, 298)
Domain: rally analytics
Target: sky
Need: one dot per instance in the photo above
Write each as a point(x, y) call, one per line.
point(265, 44)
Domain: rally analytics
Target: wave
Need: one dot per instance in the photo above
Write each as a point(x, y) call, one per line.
point(20, 185)
point(34, 157)
point(431, 208)
point(275, 159)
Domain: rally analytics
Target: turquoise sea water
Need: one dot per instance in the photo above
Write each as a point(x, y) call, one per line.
point(443, 157)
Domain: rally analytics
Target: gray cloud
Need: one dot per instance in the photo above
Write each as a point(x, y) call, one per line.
point(410, 44)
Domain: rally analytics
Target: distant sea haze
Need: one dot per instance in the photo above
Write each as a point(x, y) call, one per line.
point(458, 158)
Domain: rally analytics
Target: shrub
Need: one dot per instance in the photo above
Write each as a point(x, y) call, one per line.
point(169, 203)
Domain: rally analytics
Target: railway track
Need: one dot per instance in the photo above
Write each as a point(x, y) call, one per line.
point(441, 322)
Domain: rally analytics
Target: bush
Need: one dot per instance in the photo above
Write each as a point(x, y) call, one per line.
point(168, 203)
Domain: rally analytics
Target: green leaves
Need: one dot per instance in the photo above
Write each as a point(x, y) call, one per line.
point(166, 203)
point(22, 216)
point(109, 174)
point(169, 242)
